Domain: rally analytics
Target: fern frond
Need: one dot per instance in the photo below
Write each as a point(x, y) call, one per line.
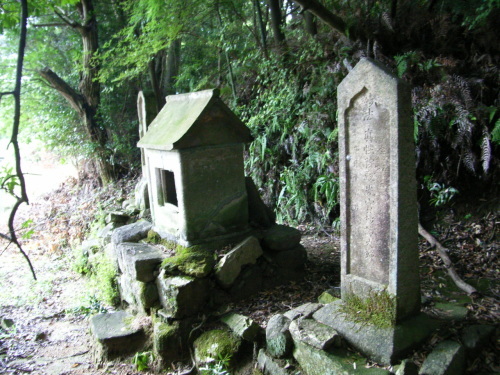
point(469, 161)
point(485, 152)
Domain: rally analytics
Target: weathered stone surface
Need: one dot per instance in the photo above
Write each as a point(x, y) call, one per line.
point(281, 237)
point(382, 345)
point(167, 342)
point(131, 232)
point(304, 311)
point(447, 358)
point(141, 194)
point(139, 295)
point(117, 217)
point(268, 365)
point(105, 233)
point(193, 261)
point(451, 311)
point(215, 344)
point(320, 362)
point(329, 296)
point(315, 334)
point(140, 261)
point(378, 189)
point(475, 337)
point(407, 367)
point(259, 215)
point(6, 323)
point(229, 267)
point(182, 296)
point(290, 259)
point(115, 333)
point(248, 283)
point(279, 341)
point(91, 246)
point(242, 325)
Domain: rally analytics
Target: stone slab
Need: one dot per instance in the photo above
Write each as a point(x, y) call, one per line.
point(447, 358)
point(140, 261)
point(315, 334)
point(279, 342)
point(338, 362)
point(382, 345)
point(229, 267)
point(115, 333)
point(131, 232)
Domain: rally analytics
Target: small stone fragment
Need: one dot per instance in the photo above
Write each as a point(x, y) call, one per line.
point(243, 326)
point(279, 342)
point(407, 367)
point(315, 334)
point(447, 358)
point(329, 296)
point(6, 323)
point(281, 237)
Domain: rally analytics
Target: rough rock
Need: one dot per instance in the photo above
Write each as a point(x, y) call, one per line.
point(304, 311)
point(106, 233)
point(215, 344)
point(193, 261)
point(447, 358)
point(182, 296)
point(141, 194)
point(268, 365)
point(329, 296)
point(229, 267)
point(242, 325)
point(281, 237)
point(91, 246)
point(131, 232)
point(166, 341)
point(279, 341)
point(141, 296)
point(319, 362)
point(115, 334)
point(6, 323)
point(140, 261)
point(315, 334)
point(259, 215)
point(117, 217)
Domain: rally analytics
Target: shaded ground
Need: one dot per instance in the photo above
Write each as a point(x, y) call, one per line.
point(50, 334)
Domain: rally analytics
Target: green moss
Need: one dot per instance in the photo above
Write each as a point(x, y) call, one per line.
point(216, 344)
point(153, 238)
point(165, 337)
point(379, 309)
point(103, 279)
point(327, 297)
point(193, 261)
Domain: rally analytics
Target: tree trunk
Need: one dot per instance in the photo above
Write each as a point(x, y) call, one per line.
point(173, 65)
point(310, 22)
point(86, 101)
point(262, 27)
point(155, 77)
point(276, 21)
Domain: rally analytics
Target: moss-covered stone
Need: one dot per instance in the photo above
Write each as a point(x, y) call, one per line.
point(216, 345)
point(378, 309)
point(167, 341)
point(328, 296)
point(193, 261)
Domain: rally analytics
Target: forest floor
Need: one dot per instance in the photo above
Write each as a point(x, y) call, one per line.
point(49, 332)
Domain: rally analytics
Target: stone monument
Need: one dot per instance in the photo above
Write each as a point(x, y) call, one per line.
point(378, 211)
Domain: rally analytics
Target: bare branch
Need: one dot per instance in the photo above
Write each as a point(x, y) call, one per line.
point(49, 24)
point(68, 21)
point(443, 253)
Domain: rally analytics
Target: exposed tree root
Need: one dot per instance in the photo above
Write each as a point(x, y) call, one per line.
point(443, 253)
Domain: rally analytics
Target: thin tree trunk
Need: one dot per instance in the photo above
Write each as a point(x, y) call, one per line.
point(87, 100)
point(276, 21)
point(310, 22)
point(172, 66)
point(154, 76)
point(262, 27)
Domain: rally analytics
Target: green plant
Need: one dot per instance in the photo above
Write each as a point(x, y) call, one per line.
point(440, 194)
point(143, 360)
point(219, 367)
point(93, 306)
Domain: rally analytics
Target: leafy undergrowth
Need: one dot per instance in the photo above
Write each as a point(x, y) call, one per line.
point(64, 218)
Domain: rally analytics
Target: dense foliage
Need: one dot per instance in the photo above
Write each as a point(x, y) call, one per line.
point(278, 66)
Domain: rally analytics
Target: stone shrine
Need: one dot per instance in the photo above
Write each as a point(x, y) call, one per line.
point(379, 253)
point(194, 159)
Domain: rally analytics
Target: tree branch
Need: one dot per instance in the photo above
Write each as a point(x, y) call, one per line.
point(68, 21)
point(15, 131)
point(332, 20)
point(76, 100)
point(443, 253)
